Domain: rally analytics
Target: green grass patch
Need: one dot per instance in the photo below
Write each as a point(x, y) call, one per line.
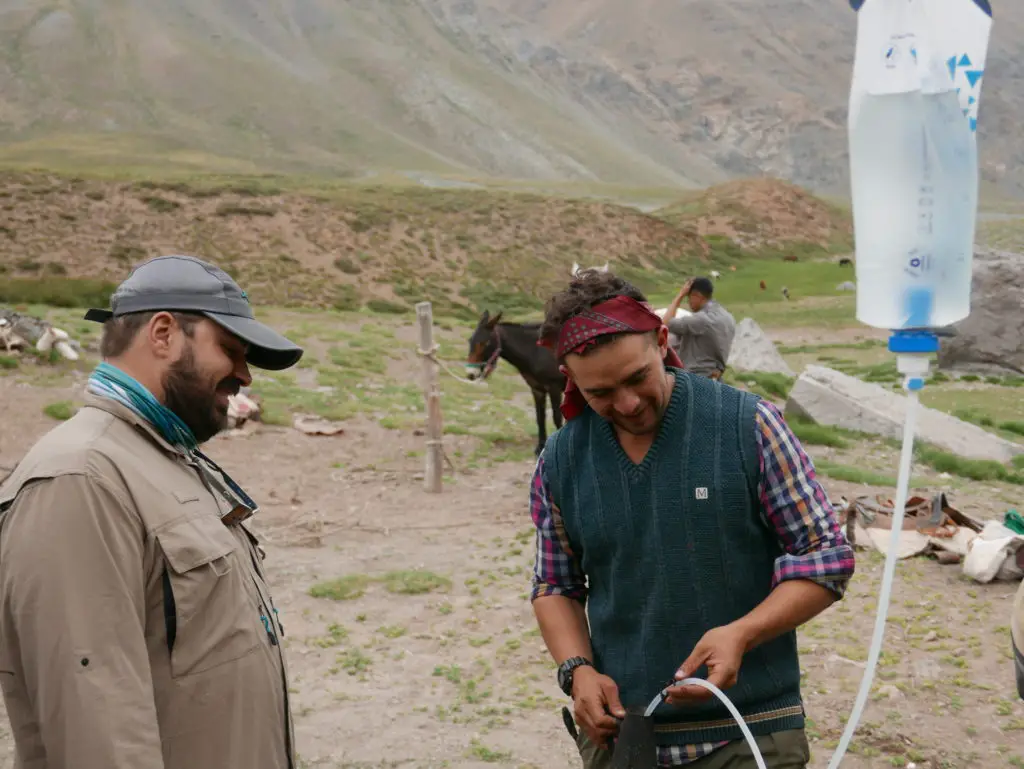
point(973, 469)
point(996, 405)
point(414, 582)
point(832, 313)
point(813, 434)
point(56, 292)
point(769, 385)
point(483, 753)
point(841, 472)
point(61, 410)
point(864, 344)
point(344, 588)
point(385, 307)
point(351, 586)
point(8, 362)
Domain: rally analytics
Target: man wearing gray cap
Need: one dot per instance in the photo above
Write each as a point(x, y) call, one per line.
point(136, 623)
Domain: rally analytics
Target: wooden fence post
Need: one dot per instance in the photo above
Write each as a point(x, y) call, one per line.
point(432, 394)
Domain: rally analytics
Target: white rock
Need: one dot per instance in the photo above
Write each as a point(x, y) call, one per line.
point(753, 351)
point(830, 397)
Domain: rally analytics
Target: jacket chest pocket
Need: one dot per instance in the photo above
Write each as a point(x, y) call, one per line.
point(208, 609)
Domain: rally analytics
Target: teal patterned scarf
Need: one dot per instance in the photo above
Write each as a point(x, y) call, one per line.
point(109, 381)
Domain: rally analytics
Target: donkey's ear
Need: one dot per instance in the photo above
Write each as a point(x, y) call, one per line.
point(494, 321)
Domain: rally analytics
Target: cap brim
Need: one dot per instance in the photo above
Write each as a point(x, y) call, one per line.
point(267, 348)
point(100, 316)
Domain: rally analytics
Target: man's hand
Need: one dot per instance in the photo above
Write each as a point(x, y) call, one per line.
point(722, 650)
point(686, 288)
point(594, 696)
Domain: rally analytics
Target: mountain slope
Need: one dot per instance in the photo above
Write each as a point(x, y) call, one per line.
point(754, 86)
point(679, 92)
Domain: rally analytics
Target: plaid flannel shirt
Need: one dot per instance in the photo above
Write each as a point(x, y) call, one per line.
point(793, 503)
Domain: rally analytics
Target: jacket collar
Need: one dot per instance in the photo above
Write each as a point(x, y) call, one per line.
point(125, 414)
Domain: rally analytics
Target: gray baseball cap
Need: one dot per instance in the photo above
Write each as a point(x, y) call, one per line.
point(187, 284)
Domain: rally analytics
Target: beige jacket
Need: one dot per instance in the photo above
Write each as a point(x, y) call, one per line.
point(131, 618)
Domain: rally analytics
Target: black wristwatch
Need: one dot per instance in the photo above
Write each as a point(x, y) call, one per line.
point(565, 671)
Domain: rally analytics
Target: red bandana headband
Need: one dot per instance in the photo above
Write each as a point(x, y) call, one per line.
point(621, 314)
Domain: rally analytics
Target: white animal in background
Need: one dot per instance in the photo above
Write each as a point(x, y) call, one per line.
point(55, 338)
point(715, 274)
point(680, 312)
point(8, 338)
point(673, 340)
point(576, 268)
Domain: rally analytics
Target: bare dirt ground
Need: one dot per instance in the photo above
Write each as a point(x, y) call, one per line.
point(426, 653)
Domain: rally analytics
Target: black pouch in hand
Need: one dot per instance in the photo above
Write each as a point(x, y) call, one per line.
point(635, 747)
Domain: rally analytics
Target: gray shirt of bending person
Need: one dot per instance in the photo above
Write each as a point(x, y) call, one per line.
point(705, 338)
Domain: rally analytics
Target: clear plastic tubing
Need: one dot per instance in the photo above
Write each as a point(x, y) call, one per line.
point(902, 489)
point(725, 701)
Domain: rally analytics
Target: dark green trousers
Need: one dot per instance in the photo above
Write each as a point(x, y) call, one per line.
point(780, 750)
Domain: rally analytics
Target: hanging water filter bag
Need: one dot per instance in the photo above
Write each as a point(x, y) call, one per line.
point(913, 113)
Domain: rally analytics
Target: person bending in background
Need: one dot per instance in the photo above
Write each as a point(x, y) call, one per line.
point(705, 337)
point(681, 517)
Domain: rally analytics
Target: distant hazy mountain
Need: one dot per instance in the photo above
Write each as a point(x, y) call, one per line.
point(637, 91)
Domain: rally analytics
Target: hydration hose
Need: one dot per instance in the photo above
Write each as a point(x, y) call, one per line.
point(725, 701)
point(912, 349)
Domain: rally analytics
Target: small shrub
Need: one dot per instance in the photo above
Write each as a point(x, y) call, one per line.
point(386, 307)
point(346, 298)
point(347, 266)
point(341, 589)
point(127, 253)
point(161, 205)
point(61, 410)
point(235, 209)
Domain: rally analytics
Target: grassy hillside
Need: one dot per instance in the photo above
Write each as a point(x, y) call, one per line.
point(759, 213)
point(67, 240)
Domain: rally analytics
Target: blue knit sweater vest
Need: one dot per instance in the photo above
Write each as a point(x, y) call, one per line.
point(673, 547)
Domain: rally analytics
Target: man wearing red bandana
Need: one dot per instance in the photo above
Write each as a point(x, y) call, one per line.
point(680, 532)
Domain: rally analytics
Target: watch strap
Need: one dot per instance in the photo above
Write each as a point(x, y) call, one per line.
point(566, 670)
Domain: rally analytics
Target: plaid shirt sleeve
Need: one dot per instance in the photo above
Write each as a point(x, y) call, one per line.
point(797, 508)
point(556, 569)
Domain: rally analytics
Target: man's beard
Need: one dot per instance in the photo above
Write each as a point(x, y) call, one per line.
point(193, 399)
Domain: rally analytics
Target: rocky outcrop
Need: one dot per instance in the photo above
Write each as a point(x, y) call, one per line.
point(990, 338)
point(830, 397)
point(753, 351)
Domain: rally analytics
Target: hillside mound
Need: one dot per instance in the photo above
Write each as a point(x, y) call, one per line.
point(763, 212)
point(462, 249)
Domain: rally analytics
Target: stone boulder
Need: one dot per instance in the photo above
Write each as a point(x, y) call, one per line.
point(829, 397)
point(753, 351)
point(990, 338)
